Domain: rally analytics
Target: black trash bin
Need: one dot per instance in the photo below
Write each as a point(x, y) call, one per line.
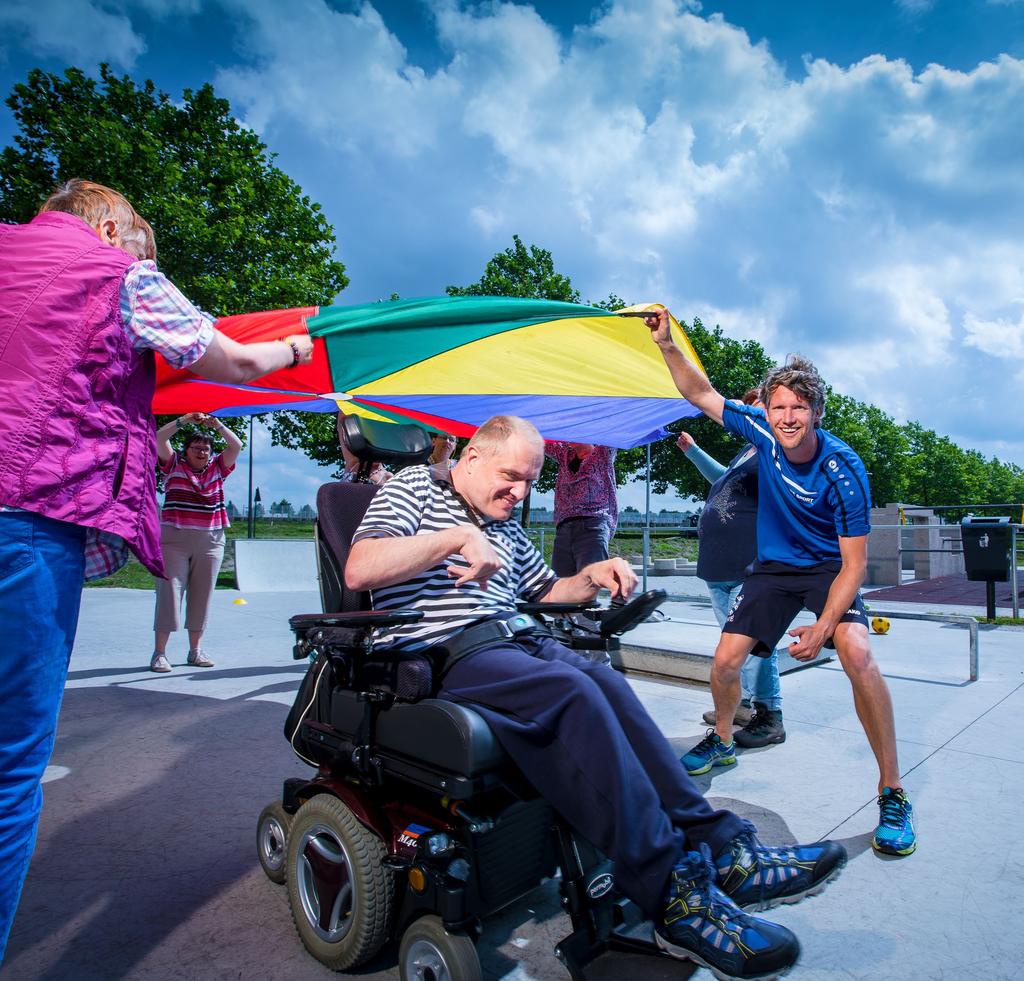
point(987, 543)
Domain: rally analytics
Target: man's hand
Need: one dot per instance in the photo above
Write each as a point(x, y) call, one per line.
point(809, 641)
point(483, 560)
point(685, 441)
point(615, 575)
point(303, 343)
point(660, 326)
point(689, 380)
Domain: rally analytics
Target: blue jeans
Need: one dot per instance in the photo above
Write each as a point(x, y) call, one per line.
point(759, 677)
point(41, 571)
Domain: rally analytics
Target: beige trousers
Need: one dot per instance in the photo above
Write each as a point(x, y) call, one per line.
point(192, 558)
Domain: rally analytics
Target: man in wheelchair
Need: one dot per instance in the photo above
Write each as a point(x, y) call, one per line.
point(445, 544)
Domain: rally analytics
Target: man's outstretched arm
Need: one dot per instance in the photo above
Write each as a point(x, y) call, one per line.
point(692, 385)
point(376, 562)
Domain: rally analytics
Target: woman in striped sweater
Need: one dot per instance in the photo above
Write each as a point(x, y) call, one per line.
point(192, 531)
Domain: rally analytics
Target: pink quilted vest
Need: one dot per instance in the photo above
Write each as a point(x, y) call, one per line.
point(77, 436)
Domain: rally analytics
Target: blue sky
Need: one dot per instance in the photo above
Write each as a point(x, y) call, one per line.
point(838, 179)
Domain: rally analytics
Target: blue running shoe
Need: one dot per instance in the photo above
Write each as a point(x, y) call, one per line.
point(895, 832)
point(709, 752)
point(703, 925)
point(756, 876)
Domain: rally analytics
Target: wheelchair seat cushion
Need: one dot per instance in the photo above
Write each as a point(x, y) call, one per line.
point(434, 732)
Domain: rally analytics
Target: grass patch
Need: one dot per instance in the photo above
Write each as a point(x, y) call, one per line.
point(1003, 621)
point(135, 575)
point(662, 546)
point(265, 528)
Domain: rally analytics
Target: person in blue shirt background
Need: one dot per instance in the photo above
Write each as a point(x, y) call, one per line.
point(728, 544)
point(813, 520)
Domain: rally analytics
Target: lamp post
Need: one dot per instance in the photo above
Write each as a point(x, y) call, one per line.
point(252, 517)
point(647, 519)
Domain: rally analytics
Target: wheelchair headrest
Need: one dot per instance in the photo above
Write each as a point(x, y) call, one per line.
point(386, 442)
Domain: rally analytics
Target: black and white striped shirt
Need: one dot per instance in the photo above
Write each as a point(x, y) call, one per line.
point(414, 503)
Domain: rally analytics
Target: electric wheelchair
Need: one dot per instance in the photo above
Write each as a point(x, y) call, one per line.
point(416, 826)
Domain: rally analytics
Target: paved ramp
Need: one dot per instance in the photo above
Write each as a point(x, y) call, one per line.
point(275, 565)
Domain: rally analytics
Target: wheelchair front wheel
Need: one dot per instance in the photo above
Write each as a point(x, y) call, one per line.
point(272, 841)
point(428, 952)
point(338, 889)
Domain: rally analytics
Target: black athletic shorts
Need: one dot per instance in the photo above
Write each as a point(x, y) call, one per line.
point(773, 593)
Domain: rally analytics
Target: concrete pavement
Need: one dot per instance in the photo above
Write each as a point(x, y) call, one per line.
point(146, 868)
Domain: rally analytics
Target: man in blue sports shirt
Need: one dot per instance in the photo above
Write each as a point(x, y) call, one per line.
point(812, 526)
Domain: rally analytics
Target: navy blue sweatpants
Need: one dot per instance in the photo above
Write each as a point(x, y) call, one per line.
point(584, 740)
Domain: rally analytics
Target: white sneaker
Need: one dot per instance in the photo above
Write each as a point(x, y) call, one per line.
point(160, 664)
point(199, 660)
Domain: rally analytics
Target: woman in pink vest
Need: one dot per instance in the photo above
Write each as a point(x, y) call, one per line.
point(81, 316)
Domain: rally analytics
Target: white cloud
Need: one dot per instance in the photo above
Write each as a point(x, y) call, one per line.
point(916, 306)
point(342, 76)
point(77, 30)
point(999, 338)
point(861, 215)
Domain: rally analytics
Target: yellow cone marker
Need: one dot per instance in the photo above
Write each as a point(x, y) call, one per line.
point(240, 602)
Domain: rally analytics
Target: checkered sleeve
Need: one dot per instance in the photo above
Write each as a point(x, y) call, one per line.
point(158, 317)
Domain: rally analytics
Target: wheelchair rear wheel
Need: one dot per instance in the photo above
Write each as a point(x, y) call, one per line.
point(428, 952)
point(272, 840)
point(338, 889)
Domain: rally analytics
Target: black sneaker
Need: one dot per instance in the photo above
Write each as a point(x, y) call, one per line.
point(757, 876)
point(744, 713)
point(703, 925)
point(764, 728)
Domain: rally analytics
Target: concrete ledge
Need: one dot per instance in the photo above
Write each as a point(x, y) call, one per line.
point(682, 665)
point(676, 665)
point(275, 565)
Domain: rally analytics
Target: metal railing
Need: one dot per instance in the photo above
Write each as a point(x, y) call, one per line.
point(1016, 544)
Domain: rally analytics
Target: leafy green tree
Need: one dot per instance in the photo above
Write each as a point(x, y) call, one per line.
point(233, 231)
point(876, 438)
point(521, 271)
point(315, 433)
point(611, 302)
point(940, 472)
point(1004, 483)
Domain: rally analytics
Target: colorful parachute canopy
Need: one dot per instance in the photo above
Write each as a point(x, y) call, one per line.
point(579, 373)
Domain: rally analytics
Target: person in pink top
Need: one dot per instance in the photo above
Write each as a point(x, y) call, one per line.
point(586, 507)
point(192, 531)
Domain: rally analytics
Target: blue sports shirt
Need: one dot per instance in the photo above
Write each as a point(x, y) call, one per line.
point(803, 508)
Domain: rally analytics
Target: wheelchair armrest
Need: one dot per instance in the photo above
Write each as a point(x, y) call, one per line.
point(617, 620)
point(302, 622)
point(553, 609)
point(316, 632)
